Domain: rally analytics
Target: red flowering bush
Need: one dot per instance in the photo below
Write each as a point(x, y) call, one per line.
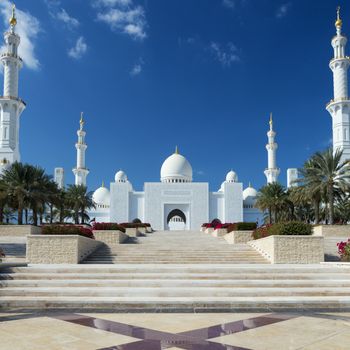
point(344, 250)
point(107, 226)
point(67, 230)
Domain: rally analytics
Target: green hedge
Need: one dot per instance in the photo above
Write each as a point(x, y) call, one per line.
point(242, 226)
point(108, 226)
point(133, 225)
point(292, 228)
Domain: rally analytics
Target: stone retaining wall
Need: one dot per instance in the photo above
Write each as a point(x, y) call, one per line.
point(19, 230)
point(332, 231)
point(291, 249)
point(237, 237)
point(59, 249)
point(110, 237)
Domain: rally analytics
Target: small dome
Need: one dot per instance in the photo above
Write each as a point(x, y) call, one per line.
point(101, 196)
point(231, 176)
point(250, 193)
point(176, 168)
point(120, 176)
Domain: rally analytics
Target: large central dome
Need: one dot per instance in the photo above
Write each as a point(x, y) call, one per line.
point(176, 168)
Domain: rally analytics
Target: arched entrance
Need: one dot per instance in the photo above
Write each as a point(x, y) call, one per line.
point(176, 220)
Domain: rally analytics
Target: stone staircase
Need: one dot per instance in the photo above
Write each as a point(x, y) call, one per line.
point(176, 287)
point(176, 247)
point(176, 271)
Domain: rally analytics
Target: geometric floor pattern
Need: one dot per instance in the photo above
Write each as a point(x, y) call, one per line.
point(205, 331)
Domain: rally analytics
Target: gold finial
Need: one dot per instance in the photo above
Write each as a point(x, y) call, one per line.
point(13, 19)
point(82, 122)
point(103, 184)
point(250, 185)
point(271, 121)
point(338, 22)
point(176, 150)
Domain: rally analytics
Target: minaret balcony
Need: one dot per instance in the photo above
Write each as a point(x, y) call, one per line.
point(13, 98)
point(337, 100)
point(10, 55)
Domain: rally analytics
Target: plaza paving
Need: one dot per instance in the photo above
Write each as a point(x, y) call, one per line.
point(225, 331)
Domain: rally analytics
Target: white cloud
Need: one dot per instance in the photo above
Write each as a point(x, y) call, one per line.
point(229, 4)
point(283, 10)
point(122, 16)
point(79, 49)
point(113, 2)
point(28, 28)
point(70, 21)
point(226, 56)
point(137, 68)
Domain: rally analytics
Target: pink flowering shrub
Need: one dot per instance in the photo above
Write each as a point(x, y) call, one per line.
point(344, 250)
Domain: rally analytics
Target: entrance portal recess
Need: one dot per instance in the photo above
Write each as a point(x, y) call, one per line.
point(176, 220)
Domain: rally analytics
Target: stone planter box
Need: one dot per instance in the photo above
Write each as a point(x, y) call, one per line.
point(110, 237)
point(239, 237)
point(219, 232)
point(133, 232)
point(209, 230)
point(59, 249)
point(142, 230)
point(149, 230)
point(202, 229)
point(291, 249)
point(19, 230)
point(332, 231)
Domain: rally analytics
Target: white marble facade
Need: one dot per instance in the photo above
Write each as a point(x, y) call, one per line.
point(176, 202)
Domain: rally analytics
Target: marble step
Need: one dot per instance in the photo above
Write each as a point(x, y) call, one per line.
point(197, 304)
point(119, 275)
point(242, 269)
point(173, 291)
point(227, 283)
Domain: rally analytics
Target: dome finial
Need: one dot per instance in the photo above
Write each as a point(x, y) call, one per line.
point(271, 121)
point(13, 19)
point(103, 184)
point(176, 150)
point(82, 122)
point(250, 185)
point(338, 22)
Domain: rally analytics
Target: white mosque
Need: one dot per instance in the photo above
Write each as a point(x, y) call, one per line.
point(176, 201)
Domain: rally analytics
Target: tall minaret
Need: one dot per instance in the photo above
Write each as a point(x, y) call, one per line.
point(339, 107)
point(80, 172)
point(11, 106)
point(272, 171)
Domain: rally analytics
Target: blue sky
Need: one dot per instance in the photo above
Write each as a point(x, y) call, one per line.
point(152, 74)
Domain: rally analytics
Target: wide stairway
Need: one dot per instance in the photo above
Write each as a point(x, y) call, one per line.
point(176, 271)
point(177, 247)
point(183, 287)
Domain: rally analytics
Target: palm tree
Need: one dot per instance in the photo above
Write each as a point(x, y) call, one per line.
point(16, 180)
point(272, 198)
point(80, 200)
point(326, 174)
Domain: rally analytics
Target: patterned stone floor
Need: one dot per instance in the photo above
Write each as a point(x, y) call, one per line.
point(235, 331)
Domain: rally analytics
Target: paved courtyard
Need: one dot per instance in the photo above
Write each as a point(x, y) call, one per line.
point(234, 331)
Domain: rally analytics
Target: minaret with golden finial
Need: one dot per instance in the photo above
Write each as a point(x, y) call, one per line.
point(339, 107)
point(80, 172)
point(271, 172)
point(10, 105)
